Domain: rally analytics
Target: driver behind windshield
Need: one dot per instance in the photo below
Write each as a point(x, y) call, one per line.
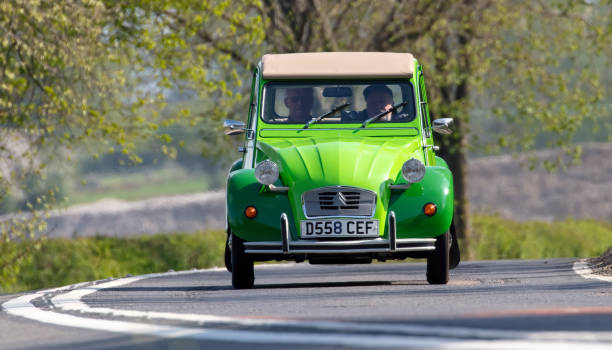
point(299, 102)
point(378, 98)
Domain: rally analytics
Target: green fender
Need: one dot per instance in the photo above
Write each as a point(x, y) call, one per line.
point(436, 187)
point(236, 165)
point(439, 162)
point(244, 190)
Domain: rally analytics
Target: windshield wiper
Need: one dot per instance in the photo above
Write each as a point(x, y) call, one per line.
point(381, 114)
point(334, 110)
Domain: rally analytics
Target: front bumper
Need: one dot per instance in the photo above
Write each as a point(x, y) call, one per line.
point(378, 245)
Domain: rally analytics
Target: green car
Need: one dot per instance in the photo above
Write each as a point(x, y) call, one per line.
point(339, 166)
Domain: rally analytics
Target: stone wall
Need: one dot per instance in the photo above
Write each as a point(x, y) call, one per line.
point(504, 185)
point(111, 217)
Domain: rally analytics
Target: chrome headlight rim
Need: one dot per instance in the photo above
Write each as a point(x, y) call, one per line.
point(413, 170)
point(266, 172)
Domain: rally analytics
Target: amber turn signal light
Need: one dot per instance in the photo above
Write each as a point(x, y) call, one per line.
point(430, 209)
point(250, 212)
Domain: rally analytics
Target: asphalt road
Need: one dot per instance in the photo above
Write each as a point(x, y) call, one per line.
point(538, 304)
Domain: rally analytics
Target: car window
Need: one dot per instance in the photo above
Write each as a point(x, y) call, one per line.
point(287, 103)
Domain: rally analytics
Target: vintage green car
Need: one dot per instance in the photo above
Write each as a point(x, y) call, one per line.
point(339, 166)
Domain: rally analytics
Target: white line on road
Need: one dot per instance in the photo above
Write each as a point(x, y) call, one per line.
point(72, 301)
point(23, 307)
point(581, 267)
point(406, 335)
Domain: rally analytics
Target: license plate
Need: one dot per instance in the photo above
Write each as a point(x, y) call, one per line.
point(339, 228)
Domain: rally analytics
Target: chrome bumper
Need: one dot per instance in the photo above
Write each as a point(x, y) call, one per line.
point(376, 245)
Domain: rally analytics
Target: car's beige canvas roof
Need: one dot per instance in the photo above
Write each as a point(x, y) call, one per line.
point(338, 65)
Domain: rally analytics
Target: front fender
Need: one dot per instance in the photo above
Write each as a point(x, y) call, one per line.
point(436, 187)
point(244, 190)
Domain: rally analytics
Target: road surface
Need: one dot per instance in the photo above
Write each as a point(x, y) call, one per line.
point(537, 304)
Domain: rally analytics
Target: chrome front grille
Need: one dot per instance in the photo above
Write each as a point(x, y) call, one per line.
point(339, 201)
point(332, 200)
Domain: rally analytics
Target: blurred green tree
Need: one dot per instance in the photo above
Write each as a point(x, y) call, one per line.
point(97, 74)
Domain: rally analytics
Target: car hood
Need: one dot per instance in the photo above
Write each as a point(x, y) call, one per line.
point(365, 162)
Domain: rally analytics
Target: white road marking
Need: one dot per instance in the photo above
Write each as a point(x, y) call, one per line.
point(23, 307)
point(406, 335)
point(72, 301)
point(581, 267)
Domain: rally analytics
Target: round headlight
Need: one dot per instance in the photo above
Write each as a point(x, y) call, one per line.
point(413, 170)
point(266, 172)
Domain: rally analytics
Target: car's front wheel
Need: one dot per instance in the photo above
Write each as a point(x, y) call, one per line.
point(438, 261)
point(243, 274)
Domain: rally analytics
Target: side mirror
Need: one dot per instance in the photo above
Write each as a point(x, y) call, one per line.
point(233, 127)
point(443, 126)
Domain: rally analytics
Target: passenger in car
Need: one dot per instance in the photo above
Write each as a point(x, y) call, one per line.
point(299, 102)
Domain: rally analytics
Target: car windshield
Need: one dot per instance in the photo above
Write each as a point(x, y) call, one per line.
point(286, 103)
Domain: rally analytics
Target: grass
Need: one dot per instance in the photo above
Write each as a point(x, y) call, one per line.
point(142, 191)
point(66, 261)
point(138, 185)
point(496, 238)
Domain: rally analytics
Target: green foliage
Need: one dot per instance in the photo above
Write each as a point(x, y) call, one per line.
point(62, 86)
point(66, 261)
point(546, 75)
point(96, 75)
point(497, 238)
point(36, 193)
point(13, 256)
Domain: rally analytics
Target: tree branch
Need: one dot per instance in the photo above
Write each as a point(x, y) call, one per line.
point(384, 28)
point(277, 17)
point(204, 35)
point(329, 39)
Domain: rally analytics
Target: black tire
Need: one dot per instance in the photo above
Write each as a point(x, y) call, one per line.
point(243, 274)
point(438, 261)
point(454, 254)
point(228, 254)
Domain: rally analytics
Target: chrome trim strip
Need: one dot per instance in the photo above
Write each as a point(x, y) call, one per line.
point(347, 128)
point(376, 241)
point(400, 187)
point(337, 216)
point(340, 251)
point(264, 251)
point(278, 188)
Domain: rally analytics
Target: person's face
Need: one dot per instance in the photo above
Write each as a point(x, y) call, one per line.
point(299, 102)
point(377, 101)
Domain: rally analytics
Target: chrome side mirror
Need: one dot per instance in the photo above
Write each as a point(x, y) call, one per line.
point(233, 127)
point(443, 126)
